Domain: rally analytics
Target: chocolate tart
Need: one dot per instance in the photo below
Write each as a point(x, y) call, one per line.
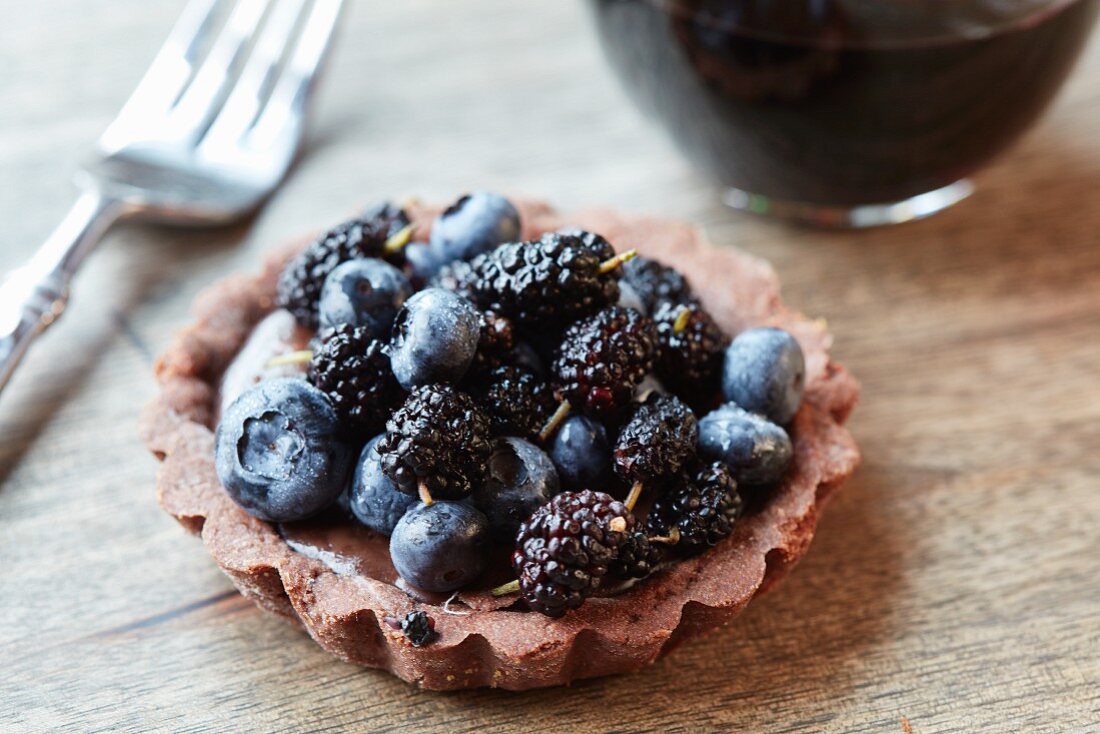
point(335, 581)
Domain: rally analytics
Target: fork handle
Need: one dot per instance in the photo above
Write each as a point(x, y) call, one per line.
point(33, 296)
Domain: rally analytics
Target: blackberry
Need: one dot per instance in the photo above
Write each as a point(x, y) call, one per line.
point(591, 241)
point(418, 628)
point(439, 439)
point(354, 371)
point(603, 357)
point(518, 402)
point(702, 510)
point(299, 287)
point(564, 549)
point(495, 344)
point(657, 442)
point(690, 349)
point(655, 283)
point(638, 557)
point(544, 283)
point(458, 277)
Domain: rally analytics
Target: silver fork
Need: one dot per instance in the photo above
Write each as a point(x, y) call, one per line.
point(203, 140)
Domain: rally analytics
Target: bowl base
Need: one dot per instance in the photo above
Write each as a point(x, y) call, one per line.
point(855, 217)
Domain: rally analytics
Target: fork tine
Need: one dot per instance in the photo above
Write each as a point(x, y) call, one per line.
point(202, 98)
point(258, 77)
point(280, 121)
point(167, 75)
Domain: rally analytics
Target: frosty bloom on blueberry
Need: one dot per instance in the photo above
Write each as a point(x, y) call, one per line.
point(521, 479)
point(765, 373)
point(440, 547)
point(374, 499)
point(435, 336)
point(366, 292)
point(474, 224)
point(581, 453)
point(278, 453)
point(756, 450)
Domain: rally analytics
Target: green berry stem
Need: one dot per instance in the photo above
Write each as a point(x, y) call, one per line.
point(302, 356)
point(611, 263)
point(555, 420)
point(398, 239)
point(632, 498)
point(512, 587)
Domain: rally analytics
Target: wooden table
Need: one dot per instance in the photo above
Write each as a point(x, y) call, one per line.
point(955, 583)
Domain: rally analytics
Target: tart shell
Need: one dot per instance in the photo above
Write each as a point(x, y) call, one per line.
point(505, 648)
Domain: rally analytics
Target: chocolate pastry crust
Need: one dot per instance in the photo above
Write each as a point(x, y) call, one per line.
point(505, 647)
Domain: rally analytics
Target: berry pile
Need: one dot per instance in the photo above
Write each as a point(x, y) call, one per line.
point(496, 391)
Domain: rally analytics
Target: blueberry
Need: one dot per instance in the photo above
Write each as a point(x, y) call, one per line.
point(434, 338)
point(422, 262)
point(373, 498)
point(521, 479)
point(277, 451)
point(474, 224)
point(765, 373)
point(440, 547)
point(582, 454)
point(365, 292)
point(756, 450)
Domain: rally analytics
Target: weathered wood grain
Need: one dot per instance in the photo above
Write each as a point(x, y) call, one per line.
point(954, 583)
